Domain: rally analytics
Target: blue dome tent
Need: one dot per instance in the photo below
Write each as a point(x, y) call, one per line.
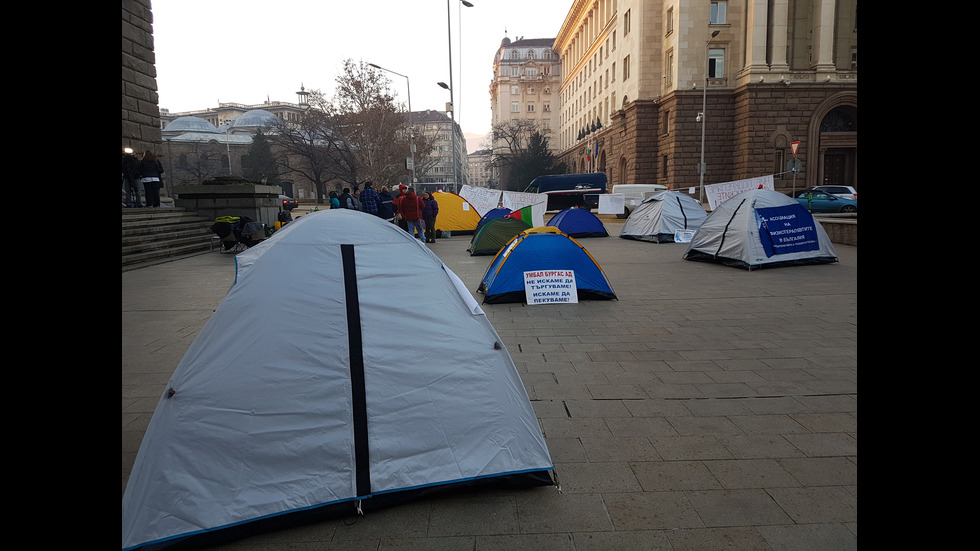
point(544, 248)
point(578, 223)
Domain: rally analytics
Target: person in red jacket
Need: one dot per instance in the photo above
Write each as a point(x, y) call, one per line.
point(402, 188)
point(410, 208)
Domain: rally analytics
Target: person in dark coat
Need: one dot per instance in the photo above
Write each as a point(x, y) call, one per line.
point(385, 209)
point(370, 200)
point(429, 213)
point(152, 171)
point(132, 179)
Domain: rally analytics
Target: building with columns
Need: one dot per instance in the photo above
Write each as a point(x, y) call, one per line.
point(646, 82)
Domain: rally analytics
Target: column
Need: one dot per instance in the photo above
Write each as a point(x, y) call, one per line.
point(823, 32)
point(780, 28)
point(755, 38)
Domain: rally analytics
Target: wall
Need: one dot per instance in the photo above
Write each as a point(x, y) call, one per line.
point(140, 109)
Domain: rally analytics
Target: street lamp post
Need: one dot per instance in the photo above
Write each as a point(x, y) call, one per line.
point(452, 134)
point(452, 108)
point(411, 130)
point(701, 117)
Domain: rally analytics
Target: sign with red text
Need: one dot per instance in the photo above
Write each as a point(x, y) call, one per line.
point(550, 286)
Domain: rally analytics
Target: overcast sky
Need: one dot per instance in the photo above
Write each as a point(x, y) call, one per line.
point(248, 51)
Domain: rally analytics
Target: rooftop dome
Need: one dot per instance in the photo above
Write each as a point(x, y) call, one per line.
point(255, 117)
point(190, 124)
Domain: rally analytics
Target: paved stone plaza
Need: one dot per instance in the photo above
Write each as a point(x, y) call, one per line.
point(709, 407)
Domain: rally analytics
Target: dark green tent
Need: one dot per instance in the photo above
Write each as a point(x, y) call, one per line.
point(494, 234)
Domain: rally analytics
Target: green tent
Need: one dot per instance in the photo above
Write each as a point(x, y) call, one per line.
point(493, 235)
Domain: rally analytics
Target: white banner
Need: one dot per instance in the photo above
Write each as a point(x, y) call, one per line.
point(612, 203)
point(483, 199)
point(719, 193)
point(516, 200)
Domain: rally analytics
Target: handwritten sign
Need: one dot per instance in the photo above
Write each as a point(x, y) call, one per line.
point(550, 286)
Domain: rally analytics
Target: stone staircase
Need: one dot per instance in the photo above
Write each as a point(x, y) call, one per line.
point(160, 234)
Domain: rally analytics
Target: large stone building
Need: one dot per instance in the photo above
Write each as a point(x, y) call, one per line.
point(526, 79)
point(644, 80)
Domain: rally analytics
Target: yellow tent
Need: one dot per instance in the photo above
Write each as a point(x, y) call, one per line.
point(456, 215)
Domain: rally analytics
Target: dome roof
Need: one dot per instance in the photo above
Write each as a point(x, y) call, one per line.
point(190, 124)
point(255, 117)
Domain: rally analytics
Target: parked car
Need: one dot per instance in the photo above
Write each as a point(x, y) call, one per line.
point(288, 203)
point(815, 200)
point(845, 192)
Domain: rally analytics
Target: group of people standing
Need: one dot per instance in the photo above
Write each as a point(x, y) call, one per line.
point(142, 179)
point(415, 214)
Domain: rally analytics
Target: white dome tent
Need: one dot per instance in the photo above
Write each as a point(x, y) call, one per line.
point(761, 228)
point(290, 404)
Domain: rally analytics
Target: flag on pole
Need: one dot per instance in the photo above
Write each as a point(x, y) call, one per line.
point(588, 152)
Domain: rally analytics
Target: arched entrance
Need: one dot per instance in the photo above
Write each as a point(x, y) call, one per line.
point(833, 135)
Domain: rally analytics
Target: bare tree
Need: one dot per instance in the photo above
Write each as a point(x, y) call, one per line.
point(374, 126)
point(195, 162)
point(313, 148)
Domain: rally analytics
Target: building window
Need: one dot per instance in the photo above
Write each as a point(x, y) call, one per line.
point(716, 63)
point(626, 68)
point(665, 122)
point(670, 20)
point(530, 108)
point(614, 71)
point(546, 107)
point(514, 54)
point(531, 71)
point(663, 167)
point(515, 90)
point(669, 70)
point(515, 107)
point(719, 12)
point(530, 54)
point(515, 71)
point(854, 57)
point(626, 22)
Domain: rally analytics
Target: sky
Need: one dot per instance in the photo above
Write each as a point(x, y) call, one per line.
point(250, 51)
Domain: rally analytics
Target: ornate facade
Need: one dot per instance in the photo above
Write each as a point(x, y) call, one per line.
point(643, 80)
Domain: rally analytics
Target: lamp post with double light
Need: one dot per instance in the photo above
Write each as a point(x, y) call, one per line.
point(701, 117)
point(411, 129)
point(452, 109)
point(452, 134)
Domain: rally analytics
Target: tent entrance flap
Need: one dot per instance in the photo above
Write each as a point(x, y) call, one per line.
point(358, 392)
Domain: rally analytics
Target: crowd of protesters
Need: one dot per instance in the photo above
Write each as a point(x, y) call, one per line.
point(416, 214)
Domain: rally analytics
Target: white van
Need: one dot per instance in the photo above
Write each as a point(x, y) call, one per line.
point(634, 194)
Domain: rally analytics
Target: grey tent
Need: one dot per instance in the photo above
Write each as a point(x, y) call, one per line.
point(295, 400)
point(761, 228)
point(661, 215)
